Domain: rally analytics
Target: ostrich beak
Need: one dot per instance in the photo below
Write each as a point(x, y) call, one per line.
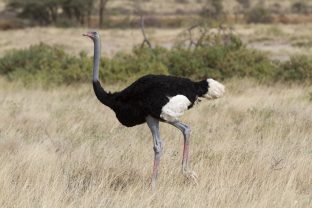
point(88, 35)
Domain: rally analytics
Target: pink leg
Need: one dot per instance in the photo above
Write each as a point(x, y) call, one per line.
point(185, 170)
point(186, 136)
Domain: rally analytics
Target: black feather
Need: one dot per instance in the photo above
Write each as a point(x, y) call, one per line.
point(148, 95)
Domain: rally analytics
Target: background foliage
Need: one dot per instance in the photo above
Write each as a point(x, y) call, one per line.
point(222, 59)
point(58, 12)
point(99, 13)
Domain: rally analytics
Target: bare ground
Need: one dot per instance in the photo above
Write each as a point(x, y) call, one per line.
point(113, 40)
point(280, 41)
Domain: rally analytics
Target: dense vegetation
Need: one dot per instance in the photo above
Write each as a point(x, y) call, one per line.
point(51, 65)
point(59, 12)
point(99, 13)
point(45, 65)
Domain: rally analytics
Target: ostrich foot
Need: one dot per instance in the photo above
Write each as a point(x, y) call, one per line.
point(191, 175)
point(153, 185)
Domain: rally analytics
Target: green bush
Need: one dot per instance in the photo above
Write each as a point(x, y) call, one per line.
point(58, 12)
point(45, 65)
point(50, 65)
point(247, 63)
point(299, 68)
point(222, 60)
point(301, 8)
point(141, 61)
point(259, 14)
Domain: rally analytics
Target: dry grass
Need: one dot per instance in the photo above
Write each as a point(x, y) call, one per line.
point(62, 148)
point(281, 41)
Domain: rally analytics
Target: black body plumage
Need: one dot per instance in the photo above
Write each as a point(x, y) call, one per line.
point(147, 96)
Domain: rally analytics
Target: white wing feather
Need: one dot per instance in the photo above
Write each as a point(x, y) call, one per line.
point(176, 106)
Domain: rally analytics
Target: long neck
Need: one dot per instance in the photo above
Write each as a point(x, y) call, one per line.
point(96, 59)
point(100, 93)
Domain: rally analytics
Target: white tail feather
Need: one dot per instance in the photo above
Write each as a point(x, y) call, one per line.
point(215, 89)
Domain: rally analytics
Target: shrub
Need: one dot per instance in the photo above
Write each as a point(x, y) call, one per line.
point(259, 15)
point(46, 12)
point(220, 57)
point(130, 66)
point(214, 9)
point(247, 63)
point(11, 23)
point(221, 62)
point(300, 8)
point(45, 65)
point(50, 65)
point(182, 62)
point(245, 3)
point(299, 68)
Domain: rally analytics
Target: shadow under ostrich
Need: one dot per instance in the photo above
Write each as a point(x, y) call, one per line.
point(154, 98)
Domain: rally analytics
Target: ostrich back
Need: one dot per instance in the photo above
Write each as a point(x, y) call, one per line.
point(149, 94)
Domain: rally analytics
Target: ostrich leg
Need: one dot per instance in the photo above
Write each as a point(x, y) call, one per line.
point(153, 124)
point(186, 130)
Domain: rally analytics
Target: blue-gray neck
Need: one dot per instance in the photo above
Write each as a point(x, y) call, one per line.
point(100, 93)
point(96, 58)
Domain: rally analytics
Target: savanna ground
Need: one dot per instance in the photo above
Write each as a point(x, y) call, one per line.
point(62, 148)
point(281, 41)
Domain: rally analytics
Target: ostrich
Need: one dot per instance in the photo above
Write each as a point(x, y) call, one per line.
point(155, 98)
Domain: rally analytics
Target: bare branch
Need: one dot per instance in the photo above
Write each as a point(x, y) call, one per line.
point(192, 42)
point(101, 12)
point(144, 35)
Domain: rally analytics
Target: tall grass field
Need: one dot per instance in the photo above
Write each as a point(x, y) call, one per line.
point(61, 148)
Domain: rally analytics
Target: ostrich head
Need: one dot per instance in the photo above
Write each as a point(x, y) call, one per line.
point(92, 35)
